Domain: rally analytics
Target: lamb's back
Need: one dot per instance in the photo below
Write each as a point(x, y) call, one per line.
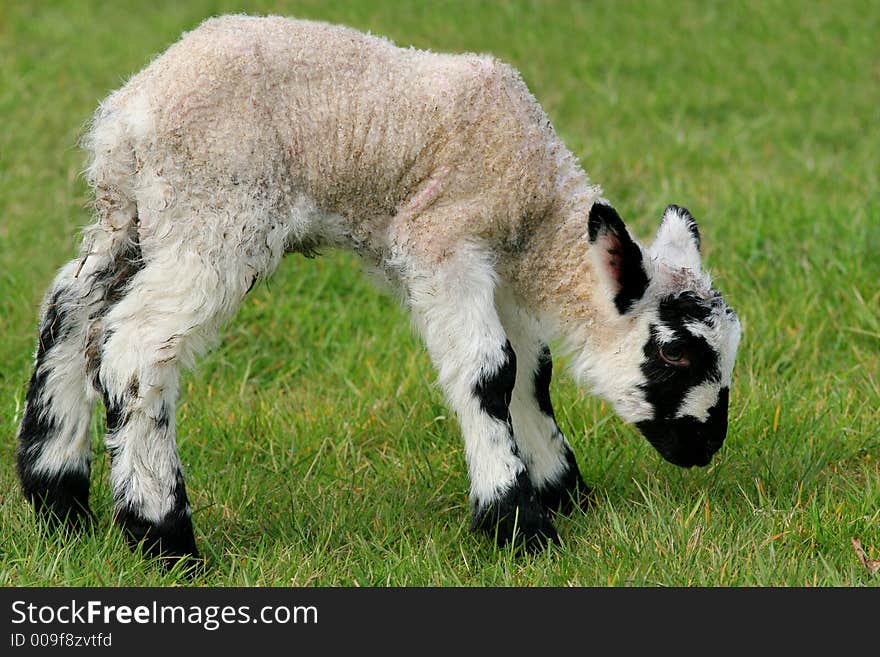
point(349, 118)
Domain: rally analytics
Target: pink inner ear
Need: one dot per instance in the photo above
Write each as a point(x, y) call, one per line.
point(612, 256)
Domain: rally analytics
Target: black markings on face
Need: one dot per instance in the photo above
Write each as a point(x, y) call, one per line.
point(685, 308)
point(667, 385)
point(685, 441)
point(495, 391)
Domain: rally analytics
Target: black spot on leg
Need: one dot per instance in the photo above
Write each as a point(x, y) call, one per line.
point(517, 514)
point(63, 496)
point(164, 419)
point(172, 538)
point(37, 425)
point(59, 497)
point(567, 490)
point(114, 280)
point(116, 277)
point(112, 451)
point(116, 414)
point(543, 375)
point(55, 325)
point(495, 391)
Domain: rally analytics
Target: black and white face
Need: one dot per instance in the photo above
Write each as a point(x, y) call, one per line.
point(669, 368)
point(687, 367)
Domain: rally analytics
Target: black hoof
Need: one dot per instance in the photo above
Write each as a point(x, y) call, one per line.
point(517, 517)
point(62, 500)
point(565, 498)
point(169, 541)
point(568, 492)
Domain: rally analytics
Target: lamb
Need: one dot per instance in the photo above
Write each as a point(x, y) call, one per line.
point(254, 137)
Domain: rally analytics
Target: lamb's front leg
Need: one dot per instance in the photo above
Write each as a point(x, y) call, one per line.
point(542, 445)
point(453, 306)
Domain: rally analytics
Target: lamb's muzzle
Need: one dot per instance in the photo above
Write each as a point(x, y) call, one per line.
point(686, 441)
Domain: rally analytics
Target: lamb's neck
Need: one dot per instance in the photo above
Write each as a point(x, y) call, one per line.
point(553, 278)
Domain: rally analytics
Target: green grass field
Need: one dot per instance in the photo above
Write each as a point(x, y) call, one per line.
point(318, 450)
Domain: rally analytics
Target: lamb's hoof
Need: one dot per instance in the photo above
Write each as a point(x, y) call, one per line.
point(517, 518)
point(567, 492)
point(61, 501)
point(566, 495)
point(74, 518)
point(170, 542)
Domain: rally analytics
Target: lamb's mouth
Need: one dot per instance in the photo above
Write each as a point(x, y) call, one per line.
point(685, 441)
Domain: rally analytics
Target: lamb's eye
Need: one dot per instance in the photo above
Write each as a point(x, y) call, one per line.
point(674, 354)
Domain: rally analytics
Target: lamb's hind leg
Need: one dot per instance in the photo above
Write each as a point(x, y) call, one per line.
point(54, 450)
point(170, 313)
point(453, 306)
point(544, 449)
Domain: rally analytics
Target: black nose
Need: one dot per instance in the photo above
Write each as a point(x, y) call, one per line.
point(685, 441)
point(688, 458)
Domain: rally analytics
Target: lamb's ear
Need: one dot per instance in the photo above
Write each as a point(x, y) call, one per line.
point(678, 239)
point(617, 259)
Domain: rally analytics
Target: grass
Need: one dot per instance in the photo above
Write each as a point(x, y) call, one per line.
point(318, 450)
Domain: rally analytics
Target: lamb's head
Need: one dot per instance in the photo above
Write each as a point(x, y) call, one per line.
point(665, 357)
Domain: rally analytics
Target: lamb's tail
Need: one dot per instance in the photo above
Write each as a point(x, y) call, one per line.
point(110, 143)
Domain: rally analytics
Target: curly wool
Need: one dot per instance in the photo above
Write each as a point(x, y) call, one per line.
point(307, 133)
